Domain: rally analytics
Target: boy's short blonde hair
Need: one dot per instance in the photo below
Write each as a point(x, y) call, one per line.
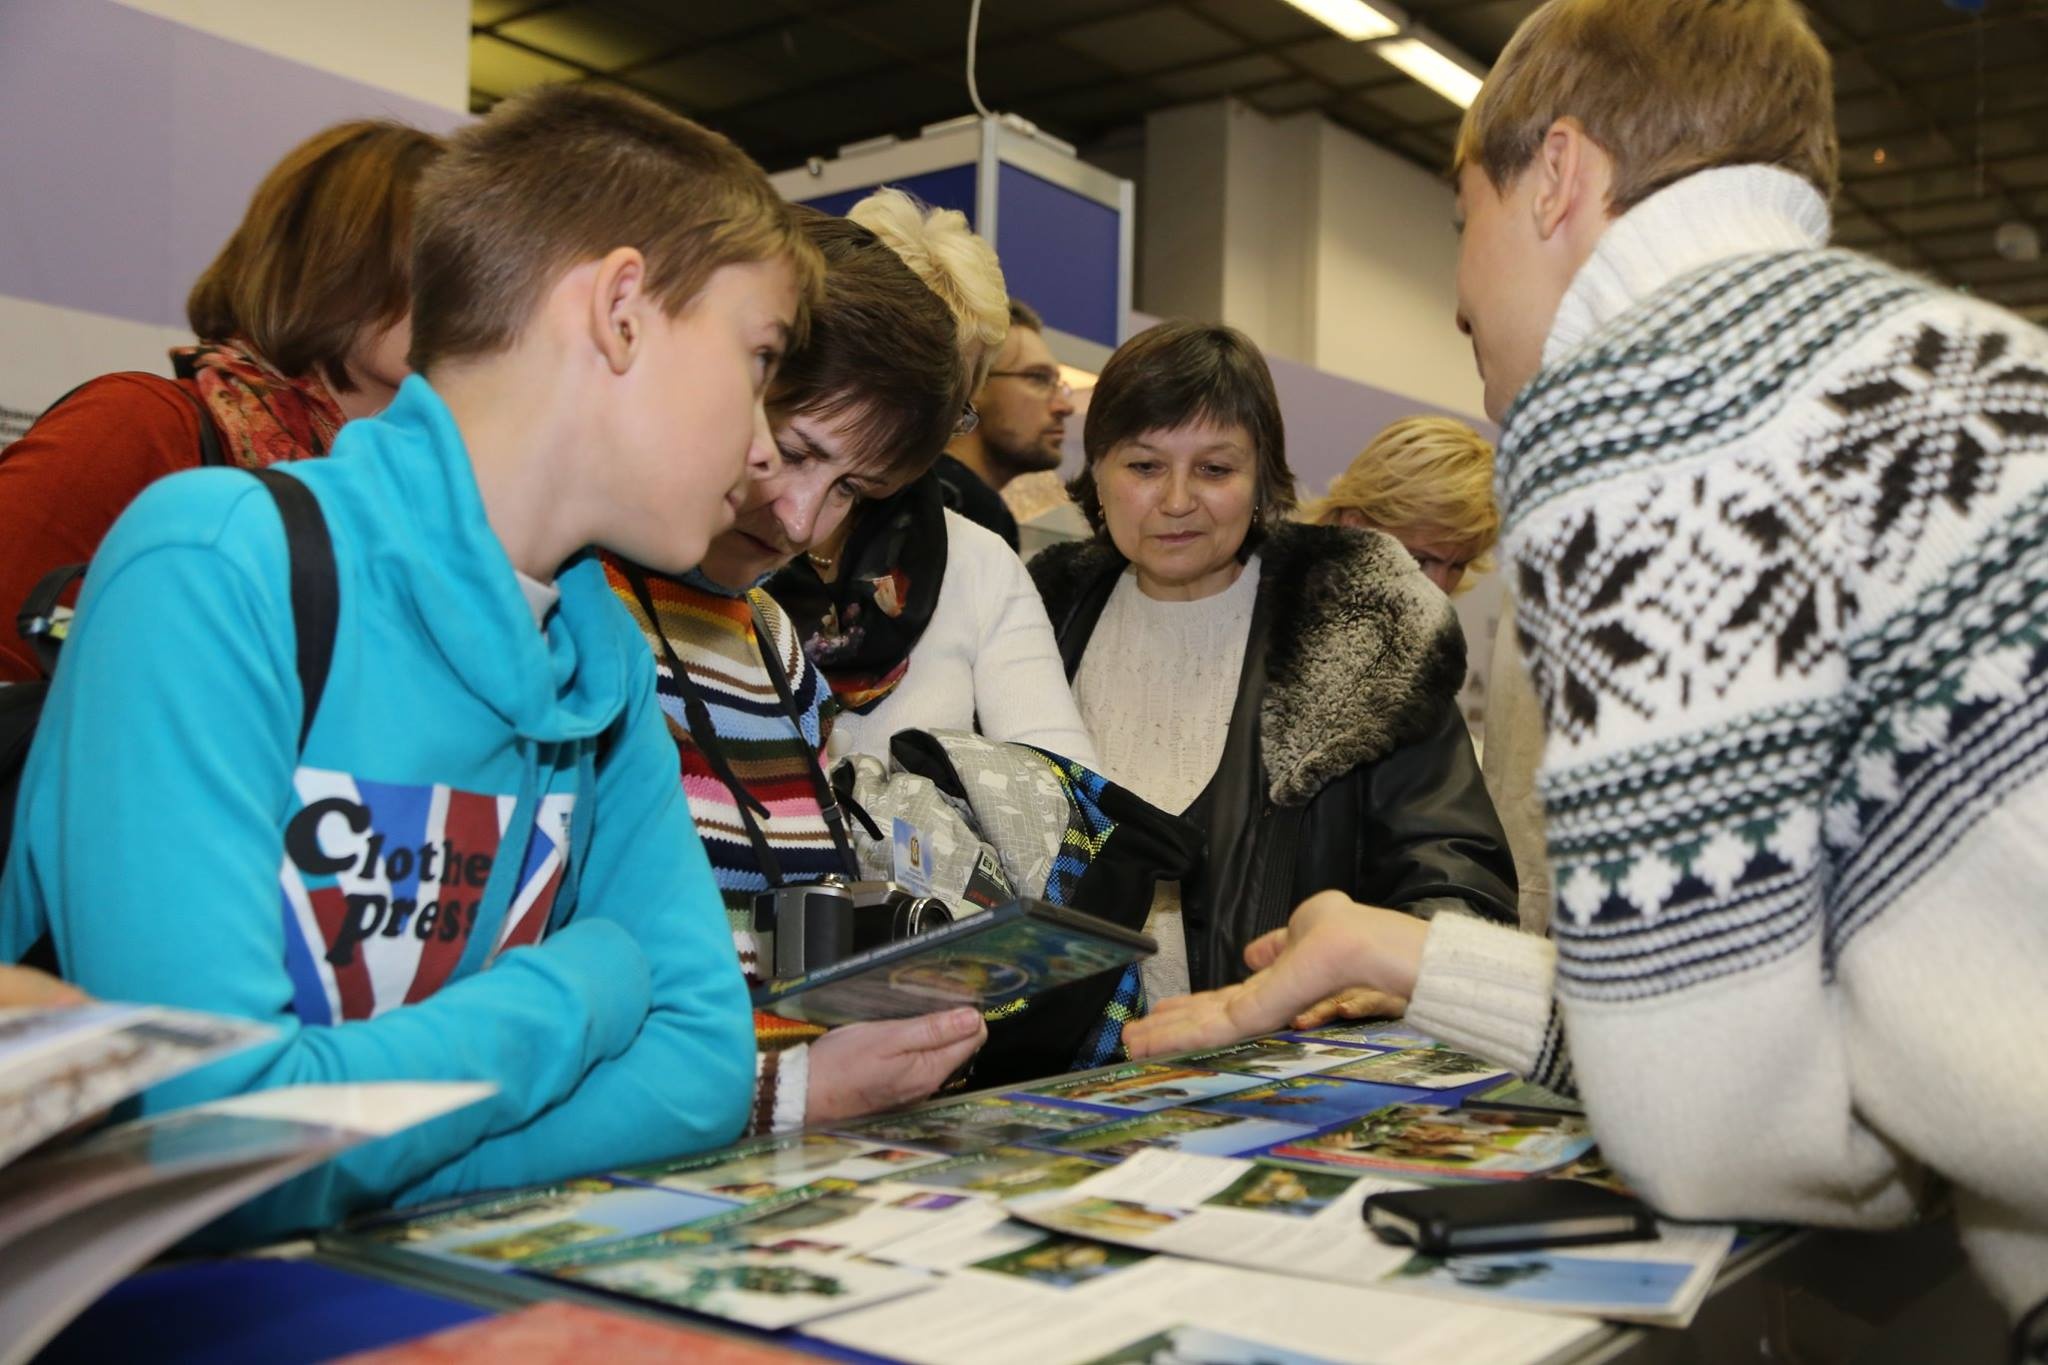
point(565, 174)
point(1431, 477)
point(1665, 87)
point(954, 263)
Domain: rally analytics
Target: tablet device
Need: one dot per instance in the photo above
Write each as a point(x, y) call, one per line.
point(988, 961)
point(1516, 1215)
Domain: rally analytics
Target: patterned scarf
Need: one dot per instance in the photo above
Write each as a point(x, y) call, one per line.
point(263, 417)
point(1089, 828)
point(859, 629)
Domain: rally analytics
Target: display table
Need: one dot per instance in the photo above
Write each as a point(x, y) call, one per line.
point(1280, 1140)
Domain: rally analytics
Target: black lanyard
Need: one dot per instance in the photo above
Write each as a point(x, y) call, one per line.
point(697, 716)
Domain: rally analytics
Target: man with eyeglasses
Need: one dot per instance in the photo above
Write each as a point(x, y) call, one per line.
point(1022, 409)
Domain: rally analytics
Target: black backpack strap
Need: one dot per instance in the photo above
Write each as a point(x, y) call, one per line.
point(37, 619)
point(210, 453)
point(316, 587)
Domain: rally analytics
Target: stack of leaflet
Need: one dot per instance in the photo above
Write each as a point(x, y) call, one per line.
point(78, 1209)
point(1204, 1208)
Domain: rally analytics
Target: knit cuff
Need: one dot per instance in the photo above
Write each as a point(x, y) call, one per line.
point(793, 1088)
point(782, 1090)
point(1485, 988)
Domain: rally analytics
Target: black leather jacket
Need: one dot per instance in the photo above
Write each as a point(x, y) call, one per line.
point(1347, 765)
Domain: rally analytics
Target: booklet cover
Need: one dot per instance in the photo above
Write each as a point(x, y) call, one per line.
point(988, 961)
point(501, 1232)
point(972, 1124)
point(77, 1218)
point(1142, 1088)
point(571, 1334)
point(61, 1067)
point(1431, 1141)
point(1296, 1222)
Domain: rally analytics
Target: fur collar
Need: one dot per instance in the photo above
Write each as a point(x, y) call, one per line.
point(1362, 650)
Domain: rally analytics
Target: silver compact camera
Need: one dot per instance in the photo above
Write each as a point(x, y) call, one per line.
point(804, 928)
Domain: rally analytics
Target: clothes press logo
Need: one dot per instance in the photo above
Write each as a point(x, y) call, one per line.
point(382, 885)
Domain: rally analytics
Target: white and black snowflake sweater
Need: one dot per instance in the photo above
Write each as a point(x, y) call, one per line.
point(1778, 520)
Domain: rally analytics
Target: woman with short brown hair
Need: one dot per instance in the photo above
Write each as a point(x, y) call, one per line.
point(1289, 688)
point(303, 322)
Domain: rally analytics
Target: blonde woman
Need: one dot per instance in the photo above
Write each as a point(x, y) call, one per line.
point(1428, 483)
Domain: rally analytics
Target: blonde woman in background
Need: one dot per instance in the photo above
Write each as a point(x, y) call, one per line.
point(1428, 483)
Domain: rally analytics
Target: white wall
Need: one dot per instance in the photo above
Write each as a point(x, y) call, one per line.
point(418, 48)
point(1325, 249)
point(138, 128)
point(1386, 275)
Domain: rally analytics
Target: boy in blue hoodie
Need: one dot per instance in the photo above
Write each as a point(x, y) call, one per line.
point(479, 865)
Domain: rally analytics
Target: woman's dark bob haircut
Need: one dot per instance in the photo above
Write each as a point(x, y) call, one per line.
point(1182, 374)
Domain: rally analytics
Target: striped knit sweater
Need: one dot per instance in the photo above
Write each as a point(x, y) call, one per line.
point(1778, 520)
point(714, 637)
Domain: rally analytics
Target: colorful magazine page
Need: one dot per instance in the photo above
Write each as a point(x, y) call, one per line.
point(1314, 1101)
point(989, 961)
point(1186, 1343)
point(786, 1261)
point(61, 1067)
point(1061, 1262)
point(763, 1287)
point(83, 1216)
point(972, 1125)
point(1432, 1142)
point(1422, 1068)
point(1390, 1035)
point(1185, 1130)
point(1142, 1089)
point(1662, 1282)
point(1005, 1172)
point(561, 1333)
point(1234, 1212)
point(1148, 1310)
point(502, 1232)
point(758, 1170)
point(1274, 1059)
point(1516, 1093)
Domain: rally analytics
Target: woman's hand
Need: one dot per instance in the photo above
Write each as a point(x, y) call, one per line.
point(865, 1068)
point(1334, 955)
point(26, 987)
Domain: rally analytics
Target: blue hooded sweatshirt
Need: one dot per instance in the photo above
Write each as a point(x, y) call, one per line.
point(181, 850)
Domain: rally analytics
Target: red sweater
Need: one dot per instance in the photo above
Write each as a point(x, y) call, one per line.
point(63, 483)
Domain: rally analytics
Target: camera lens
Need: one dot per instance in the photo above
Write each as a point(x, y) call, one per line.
point(919, 915)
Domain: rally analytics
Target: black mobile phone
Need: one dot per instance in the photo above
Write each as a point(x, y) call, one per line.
point(1510, 1216)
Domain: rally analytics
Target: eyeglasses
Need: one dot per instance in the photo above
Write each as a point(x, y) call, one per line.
point(1047, 382)
point(968, 420)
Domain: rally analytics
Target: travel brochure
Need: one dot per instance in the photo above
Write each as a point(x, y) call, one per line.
point(1292, 1221)
point(77, 1215)
point(1205, 1208)
point(61, 1067)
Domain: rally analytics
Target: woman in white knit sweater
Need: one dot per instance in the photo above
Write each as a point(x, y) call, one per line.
point(1778, 518)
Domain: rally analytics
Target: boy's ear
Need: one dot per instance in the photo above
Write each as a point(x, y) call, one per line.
point(619, 307)
point(1571, 179)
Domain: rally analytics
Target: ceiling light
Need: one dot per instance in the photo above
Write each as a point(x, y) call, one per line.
point(1436, 68)
point(1354, 19)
